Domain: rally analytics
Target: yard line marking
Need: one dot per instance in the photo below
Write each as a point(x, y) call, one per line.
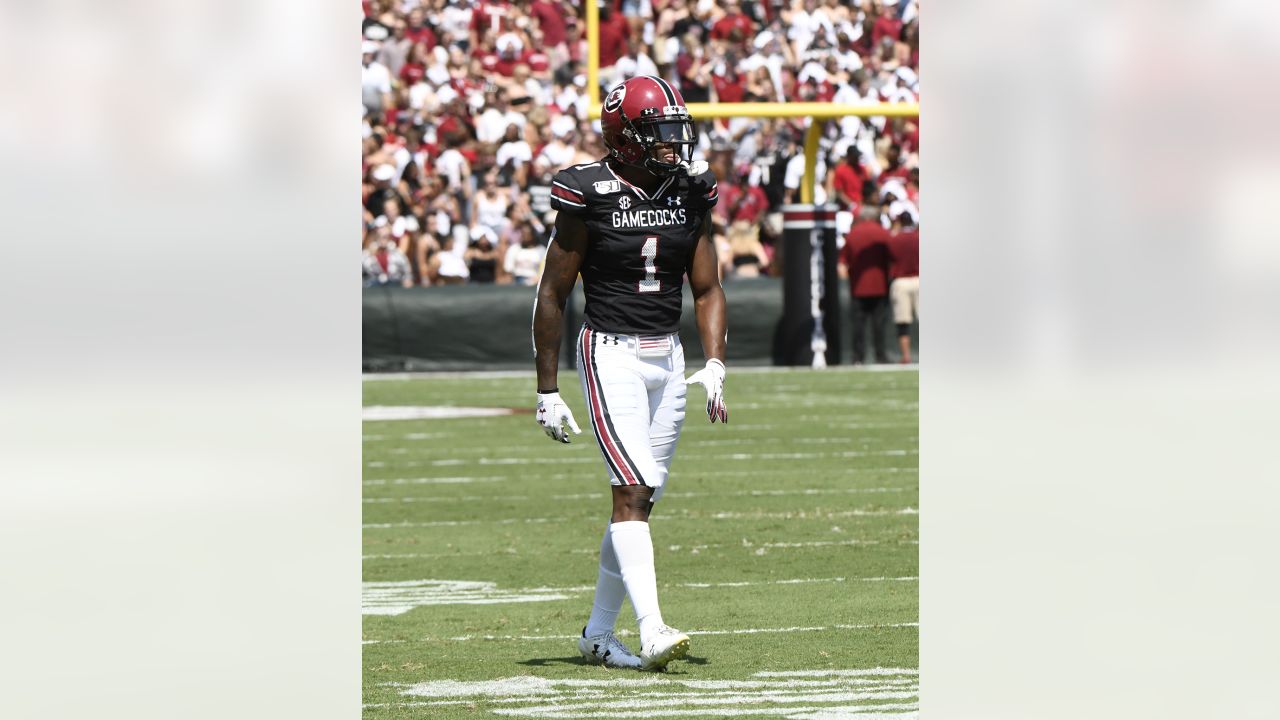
point(631, 633)
point(374, 413)
point(596, 496)
point(460, 480)
point(799, 515)
point(670, 548)
point(737, 370)
point(865, 693)
point(842, 673)
point(690, 474)
point(397, 598)
point(488, 461)
point(810, 455)
point(599, 495)
point(605, 709)
point(591, 459)
point(799, 581)
point(457, 523)
point(899, 710)
point(884, 678)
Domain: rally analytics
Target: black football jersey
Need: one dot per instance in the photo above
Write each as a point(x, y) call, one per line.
point(639, 245)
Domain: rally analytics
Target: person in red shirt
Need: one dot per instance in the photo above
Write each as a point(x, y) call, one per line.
point(887, 25)
point(510, 53)
point(418, 32)
point(847, 179)
point(904, 283)
point(491, 17)
point(550, 16)
point(741, 203)
point(415, 68)
point(724, 28)
point(730, 87)
point(865, 255)
point(893, 165)
point(615, 35)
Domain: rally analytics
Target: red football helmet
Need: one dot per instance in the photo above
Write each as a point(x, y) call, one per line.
point(641, 113)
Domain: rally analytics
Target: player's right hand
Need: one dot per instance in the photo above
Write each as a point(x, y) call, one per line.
point(553, 414)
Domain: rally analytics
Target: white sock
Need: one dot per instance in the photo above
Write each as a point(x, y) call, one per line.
point(610, 590)
point(634, 549)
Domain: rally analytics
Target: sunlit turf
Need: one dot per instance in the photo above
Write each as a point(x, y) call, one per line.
point(801, 513)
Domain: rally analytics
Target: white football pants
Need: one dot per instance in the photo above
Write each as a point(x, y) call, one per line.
point(635, 393)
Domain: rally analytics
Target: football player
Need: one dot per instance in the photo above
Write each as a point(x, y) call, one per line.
point(633, 224)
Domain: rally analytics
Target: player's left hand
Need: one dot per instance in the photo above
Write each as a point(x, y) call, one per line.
point(711, 378)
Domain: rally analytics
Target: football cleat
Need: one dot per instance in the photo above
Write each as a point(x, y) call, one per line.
point(606, 649)
point(665, 644)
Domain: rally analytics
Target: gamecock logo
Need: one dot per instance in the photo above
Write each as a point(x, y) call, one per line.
point(614, 101)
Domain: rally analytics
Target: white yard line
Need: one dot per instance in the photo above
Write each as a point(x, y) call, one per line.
point(596, 496)
point(629, 633)
point(669, 548)
point(737, 370)
point(853, 694)
point(456, 480)
point(669, 518)
point(372, 413)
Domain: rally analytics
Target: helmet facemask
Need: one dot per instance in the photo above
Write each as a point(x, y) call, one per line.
point(677, 131)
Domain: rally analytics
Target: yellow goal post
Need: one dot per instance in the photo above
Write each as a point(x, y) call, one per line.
point(706, 111)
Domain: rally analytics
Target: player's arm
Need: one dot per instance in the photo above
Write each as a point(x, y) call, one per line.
point(709, 309)
point(560, 274)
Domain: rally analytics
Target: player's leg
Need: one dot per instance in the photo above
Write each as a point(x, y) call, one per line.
point(659, 643)
point(618, 408)
point(598, 643)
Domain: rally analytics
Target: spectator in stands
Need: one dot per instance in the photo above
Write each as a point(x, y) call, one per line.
point(375, 80)
point(513, 158)
point(383, 192)
point(734, 29)
point(865, 261)
point(904, 285)
point(444, 82)
point(847, 179)
point(383, 263)
point(523, 261)
point(482, 258)
point(747, 257)
point(451, 268)
point(489, 206)
point(559, 152)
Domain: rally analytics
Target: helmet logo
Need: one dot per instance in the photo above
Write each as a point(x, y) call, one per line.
point(624, 202)
point(614, 100)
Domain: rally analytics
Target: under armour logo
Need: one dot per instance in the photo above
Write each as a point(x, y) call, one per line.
point(609, 340)
point(673, 201)
point(624, 202)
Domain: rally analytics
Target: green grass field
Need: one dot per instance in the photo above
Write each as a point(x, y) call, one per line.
point(786, 546)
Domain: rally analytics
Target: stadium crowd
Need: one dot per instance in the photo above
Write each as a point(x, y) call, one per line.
point(470, 107)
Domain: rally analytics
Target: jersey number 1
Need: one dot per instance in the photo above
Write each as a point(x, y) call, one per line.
point(649, 252)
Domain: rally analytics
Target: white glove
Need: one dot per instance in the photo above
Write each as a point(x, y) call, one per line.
point(552, 414)
point(695, 168)
point(711, 378)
